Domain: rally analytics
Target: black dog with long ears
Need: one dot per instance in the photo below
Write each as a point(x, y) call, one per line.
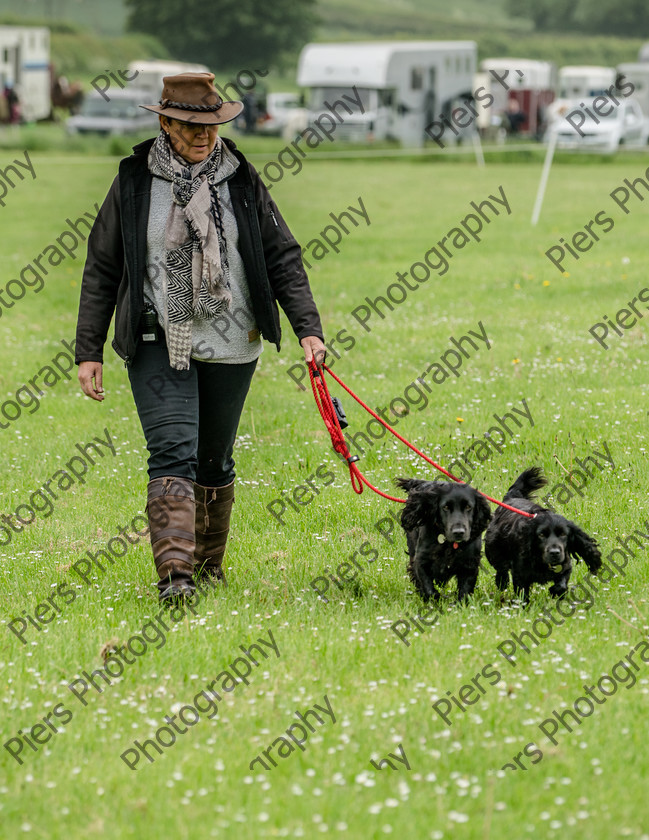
point(538, 550)
point(443, 522)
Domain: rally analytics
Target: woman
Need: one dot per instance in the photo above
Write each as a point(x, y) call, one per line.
point(193, 254)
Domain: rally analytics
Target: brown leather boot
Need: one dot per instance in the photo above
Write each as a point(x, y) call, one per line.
point(213, 509)
point(170, 509)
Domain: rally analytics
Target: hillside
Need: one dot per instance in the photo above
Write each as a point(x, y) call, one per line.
point(105, 17)
point(108, 17)
point(484, 22)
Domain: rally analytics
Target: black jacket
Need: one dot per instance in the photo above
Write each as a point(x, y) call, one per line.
point(113, 277)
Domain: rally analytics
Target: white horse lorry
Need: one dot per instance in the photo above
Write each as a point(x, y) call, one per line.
point(25, 67)
point(391, 90)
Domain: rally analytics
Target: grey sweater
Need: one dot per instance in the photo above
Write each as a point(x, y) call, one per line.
point(232, 337)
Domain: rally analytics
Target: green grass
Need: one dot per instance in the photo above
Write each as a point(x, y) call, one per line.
point(590, 785)
point(84, 55)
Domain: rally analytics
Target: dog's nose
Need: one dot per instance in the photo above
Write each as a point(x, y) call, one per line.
point(554, 552)
point(458, 532)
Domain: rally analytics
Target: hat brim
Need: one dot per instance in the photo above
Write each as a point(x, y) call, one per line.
point(227, 112)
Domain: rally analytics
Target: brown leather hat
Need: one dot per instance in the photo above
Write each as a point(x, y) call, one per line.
point(192, 97)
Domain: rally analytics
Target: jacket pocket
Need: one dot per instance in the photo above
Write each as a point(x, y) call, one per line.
point(273, 222)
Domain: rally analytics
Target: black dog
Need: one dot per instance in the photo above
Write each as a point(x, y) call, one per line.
point(443, 524)
point(538, 550)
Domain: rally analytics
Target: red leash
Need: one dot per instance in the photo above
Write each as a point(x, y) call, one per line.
point(327, 411)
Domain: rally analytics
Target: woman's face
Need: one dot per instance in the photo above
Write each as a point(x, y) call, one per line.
point(192, 141)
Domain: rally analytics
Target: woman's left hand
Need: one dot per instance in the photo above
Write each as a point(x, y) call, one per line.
point(314, 348)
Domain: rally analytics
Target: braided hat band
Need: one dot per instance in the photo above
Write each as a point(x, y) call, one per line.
point(187, 106)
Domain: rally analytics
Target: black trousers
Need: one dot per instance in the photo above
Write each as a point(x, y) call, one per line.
point(189, 417)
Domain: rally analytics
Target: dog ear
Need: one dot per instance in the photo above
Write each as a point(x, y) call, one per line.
point(585, 547)
point(420, 509)
point(409, 484)
point(481, 516)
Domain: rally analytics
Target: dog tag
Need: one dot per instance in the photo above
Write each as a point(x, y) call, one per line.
point(441, 538)
point(557, 568)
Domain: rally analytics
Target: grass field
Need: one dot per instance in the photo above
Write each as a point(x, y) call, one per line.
point(583, 399)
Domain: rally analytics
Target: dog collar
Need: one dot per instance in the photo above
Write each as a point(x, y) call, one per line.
point(442, 539)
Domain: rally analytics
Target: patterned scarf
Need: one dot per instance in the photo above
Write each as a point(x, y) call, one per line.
point(195, 283)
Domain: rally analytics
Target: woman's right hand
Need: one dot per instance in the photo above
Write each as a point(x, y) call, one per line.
point(90, 379)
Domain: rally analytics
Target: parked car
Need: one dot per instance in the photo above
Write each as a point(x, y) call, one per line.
point(119, 114)
point(282, 110)
point(625, 125)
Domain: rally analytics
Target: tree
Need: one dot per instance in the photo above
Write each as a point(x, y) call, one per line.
point(226, 34)
point(610, 17)
point(603, 17)
point(547, 15)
